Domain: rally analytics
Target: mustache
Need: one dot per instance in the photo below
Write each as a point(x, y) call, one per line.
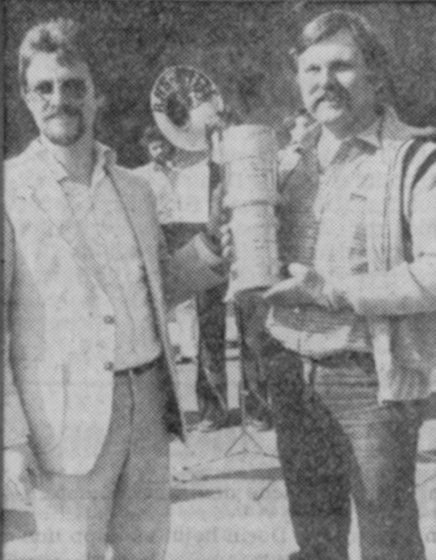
point(64, 110)
point(334, 93)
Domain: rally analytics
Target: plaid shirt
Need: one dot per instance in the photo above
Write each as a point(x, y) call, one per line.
point(336, 217)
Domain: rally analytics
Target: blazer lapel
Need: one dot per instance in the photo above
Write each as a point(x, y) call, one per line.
point(143, 225)
point(48, 196)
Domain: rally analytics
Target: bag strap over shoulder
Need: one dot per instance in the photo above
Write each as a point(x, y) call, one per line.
point(418, 157)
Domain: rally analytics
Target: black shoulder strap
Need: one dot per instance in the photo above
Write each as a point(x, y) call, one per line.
point(409, 155)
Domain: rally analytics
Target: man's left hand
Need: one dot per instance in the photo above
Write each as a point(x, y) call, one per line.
point(305, 287)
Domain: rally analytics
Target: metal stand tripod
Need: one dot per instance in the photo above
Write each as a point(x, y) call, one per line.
point(248, 445)
point(245, 443)
point(245, 436)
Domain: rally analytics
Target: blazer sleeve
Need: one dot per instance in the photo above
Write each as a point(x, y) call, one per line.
point(15, 425)
point(407, 288)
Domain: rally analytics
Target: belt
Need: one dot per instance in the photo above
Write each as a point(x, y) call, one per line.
point(137, 370)
point(364, 360)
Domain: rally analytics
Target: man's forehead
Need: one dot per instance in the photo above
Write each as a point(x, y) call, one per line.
point(340, 45)
point(52, 65)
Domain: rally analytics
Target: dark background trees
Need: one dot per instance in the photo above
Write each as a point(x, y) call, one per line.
point(241, 45)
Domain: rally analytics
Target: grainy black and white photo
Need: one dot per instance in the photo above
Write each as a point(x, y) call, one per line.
point(219, 280)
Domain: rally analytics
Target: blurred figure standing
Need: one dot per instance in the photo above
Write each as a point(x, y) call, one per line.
point(161, 175)
point(201, 322)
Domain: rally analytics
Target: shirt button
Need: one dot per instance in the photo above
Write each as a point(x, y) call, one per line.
point(109, 366)
point(109, 319)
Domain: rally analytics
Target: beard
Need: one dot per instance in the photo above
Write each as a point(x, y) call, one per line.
point(64, 127)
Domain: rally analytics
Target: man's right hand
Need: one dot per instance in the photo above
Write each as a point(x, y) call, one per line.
point(287, 160)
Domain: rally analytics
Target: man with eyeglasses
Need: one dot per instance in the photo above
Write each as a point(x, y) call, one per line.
point(91, 388)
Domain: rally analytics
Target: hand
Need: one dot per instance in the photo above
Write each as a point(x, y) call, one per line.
point(288, 159)
point(305, 287)
point(21, 470)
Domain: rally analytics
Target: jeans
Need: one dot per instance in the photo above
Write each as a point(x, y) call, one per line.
point(336, 442)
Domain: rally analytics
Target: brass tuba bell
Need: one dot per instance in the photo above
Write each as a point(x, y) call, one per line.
point(185, 102)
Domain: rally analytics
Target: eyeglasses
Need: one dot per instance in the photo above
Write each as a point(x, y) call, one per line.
point(73, 89)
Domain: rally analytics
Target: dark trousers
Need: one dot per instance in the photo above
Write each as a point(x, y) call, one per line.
point(211, 385)
point(254, 378)
point(336, 442)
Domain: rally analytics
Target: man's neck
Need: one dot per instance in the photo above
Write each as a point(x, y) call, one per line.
point(348, 129)
point(78, 159)
point(330, 142)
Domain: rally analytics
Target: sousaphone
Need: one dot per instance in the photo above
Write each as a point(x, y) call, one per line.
point(185, 102)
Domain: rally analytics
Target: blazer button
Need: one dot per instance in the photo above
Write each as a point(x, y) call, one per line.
point(109, 319)
point(109, 366)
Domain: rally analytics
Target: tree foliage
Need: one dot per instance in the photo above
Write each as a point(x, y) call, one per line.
point(242, 46)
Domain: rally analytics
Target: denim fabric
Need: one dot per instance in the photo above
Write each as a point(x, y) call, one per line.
point(335, 442)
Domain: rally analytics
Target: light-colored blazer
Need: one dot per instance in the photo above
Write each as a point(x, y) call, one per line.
point(60, 345)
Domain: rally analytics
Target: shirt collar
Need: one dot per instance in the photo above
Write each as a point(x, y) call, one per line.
point(388, 127)
point(329, 145)
point(372, 135)
point(104, 160)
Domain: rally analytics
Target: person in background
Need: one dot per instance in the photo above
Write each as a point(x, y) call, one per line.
point(159, 172)
point(302, 125)
point(201, 322)
point(298, 129)
point(161, 175)
point(350, 334)
point(92, 388)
